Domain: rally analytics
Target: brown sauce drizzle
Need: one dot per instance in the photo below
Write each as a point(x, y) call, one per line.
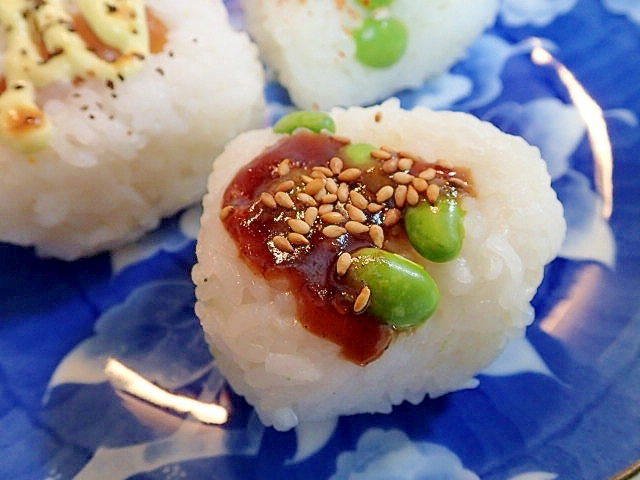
point(158, 33)
point(105, 52)
point(324, 300)
point(20, 121)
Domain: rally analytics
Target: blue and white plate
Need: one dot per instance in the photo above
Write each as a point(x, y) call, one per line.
point(562, 403)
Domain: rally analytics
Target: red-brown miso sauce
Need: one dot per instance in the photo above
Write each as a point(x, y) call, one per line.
point(324, 302)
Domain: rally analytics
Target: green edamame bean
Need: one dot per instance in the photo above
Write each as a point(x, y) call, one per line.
point(380, 42)
point(437, 231)
point(359, 154)
point(403, 294)
point(373, 4)
point(314, 121)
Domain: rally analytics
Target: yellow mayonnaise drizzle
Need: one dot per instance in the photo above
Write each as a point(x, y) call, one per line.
point(121, 24)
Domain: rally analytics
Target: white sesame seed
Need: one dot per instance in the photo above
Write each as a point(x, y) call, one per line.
point(380, 154)
point(391, 217)
point(412, 195)
point(402, 178)
point(350, 174)
point(285, 186)
point(331, 185)
point(320, 194)
point(332, 217)
point(405, 163)
point(408, 155)
point(428, 173)
point(284, 200)
point(333, 231)
point(336, 165)
point(343, 192)
point(298, 226)
point(358, 199)
point(282, 244)
point(284, 167)
point(356, 227)
point(433, 193)
point(226, 211)
point(325, 208)
point(458, 182)
point(343, 263)
point(377, 235)
point(384, 194)
point(267, 199)
point(400, 195)
point(310, 215)
point(389, 149)
point(374, 207)
point(324, 170)
point(297, 239)
point(355, 213)
point(390, 166)
point(329, 198)
point(420, 184)
point(307, 199)
point(362, 299)
point(314, 186)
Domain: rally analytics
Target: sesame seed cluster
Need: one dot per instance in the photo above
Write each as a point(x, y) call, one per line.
point(329, 215)
point(335, 200)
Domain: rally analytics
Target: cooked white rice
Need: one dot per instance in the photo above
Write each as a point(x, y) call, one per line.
point(310, 46)
point(116, 166)
point(514, 225)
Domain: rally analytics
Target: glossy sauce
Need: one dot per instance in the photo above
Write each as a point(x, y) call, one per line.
point(324, 302)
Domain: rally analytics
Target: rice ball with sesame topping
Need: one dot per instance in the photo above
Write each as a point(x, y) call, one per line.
point(354, 260)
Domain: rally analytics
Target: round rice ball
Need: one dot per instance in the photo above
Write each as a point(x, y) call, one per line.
point(310, 45)
point(513, 223)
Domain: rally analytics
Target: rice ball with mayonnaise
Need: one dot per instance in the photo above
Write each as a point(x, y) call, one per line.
point(357, 52)
point(111, 115)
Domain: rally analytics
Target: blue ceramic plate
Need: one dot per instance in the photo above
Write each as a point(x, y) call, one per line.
point(562, 403)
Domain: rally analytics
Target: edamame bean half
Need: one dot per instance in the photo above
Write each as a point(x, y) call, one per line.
point(314, 121)
point(436, 231)
point(380, 43)
point(359, 154)
point(403, 294)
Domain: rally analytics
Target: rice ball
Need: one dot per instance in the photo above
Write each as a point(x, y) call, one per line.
point(513, 225)
point(356, 52)
point(123, 151)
